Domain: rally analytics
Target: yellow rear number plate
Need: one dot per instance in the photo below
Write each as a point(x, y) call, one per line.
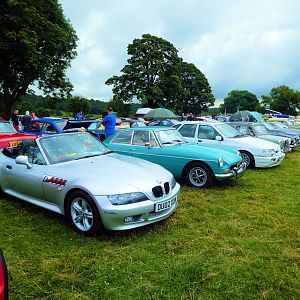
point(14, 144)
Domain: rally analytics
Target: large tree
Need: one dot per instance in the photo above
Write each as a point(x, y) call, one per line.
point(156, 76)
point(37, 44)
point(196, 91)
point(149, 72)
point(239, 100)
point(283, 99)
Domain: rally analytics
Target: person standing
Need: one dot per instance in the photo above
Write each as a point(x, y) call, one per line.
point(15, 119)
point(182, 117)
point(79, 116)
point(109, 121)
point(190, 117)
point(26, 120)
point(33, 116)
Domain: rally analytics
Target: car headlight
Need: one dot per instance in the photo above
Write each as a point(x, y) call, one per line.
point(173, 182)
point(281, 144)
point(268, 152)
point(128, 198)
point(220, 162)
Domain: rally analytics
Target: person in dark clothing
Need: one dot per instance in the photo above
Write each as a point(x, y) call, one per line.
point(15, 119)
point(26, 120)
point(182, 117)
point(190, 117)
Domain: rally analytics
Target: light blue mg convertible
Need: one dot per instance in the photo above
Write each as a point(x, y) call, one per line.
point(198, 166)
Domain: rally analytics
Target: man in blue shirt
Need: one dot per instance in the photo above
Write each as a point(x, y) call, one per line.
point(109, 121)
point(79, 116)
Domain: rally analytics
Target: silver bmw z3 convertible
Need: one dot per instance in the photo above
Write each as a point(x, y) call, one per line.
point(76, 175)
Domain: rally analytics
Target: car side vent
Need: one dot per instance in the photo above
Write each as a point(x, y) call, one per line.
point(157, 191)
point(167, 187)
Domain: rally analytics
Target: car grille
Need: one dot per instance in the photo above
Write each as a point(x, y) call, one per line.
point(167, 187)
point(234, 166)
point(158, 191)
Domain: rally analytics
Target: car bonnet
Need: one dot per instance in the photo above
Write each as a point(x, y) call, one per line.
point(254, 142)
point(111, 174)
point(202, 152)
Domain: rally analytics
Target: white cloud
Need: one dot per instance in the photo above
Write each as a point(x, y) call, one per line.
point(237, 44)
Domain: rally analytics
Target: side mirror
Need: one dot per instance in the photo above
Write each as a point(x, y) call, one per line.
point(23, 160)
point(148, 145)
point(218, 138)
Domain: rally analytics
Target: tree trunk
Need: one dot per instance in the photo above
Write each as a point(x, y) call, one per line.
point(9, 102)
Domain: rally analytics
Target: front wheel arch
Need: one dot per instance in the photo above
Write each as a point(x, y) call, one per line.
point(90, 203)
point(248, 158)
point(211, 175)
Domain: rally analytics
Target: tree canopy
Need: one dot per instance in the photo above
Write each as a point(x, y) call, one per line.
point(283, 99)
point(156, 76)
point(37, 44)
point(239, 100)
point(196, 91)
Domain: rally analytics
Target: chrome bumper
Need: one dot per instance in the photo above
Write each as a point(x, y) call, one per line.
point(237, 172)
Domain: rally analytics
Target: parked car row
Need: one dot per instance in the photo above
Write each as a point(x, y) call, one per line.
point(57, 167)
point(255, 152)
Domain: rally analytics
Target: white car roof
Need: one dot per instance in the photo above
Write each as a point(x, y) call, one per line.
point(202, 122)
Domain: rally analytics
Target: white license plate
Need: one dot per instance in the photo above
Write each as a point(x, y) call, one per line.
point(165, 204)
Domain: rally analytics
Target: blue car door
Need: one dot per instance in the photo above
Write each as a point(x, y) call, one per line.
point(145, 146)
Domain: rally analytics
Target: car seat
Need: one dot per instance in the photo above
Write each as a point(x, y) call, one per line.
point(25, 146)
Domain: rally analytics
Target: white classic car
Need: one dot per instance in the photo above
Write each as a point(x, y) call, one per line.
point(255, 152)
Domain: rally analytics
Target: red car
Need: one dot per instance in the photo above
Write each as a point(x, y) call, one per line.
point(3, 278)
point(9, 137)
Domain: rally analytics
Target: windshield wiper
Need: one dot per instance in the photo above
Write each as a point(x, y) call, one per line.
point(166, 143)
point(238, 135)
point(87, 156)
point(179, 141)
point(107, 152)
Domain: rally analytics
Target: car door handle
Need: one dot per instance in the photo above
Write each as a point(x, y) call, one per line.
point(131, 149)
point(8, 167)
point(199, 140)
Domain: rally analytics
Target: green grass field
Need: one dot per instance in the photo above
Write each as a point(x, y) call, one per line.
point(239, 240)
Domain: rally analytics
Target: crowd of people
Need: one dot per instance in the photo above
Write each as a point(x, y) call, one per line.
point(187, 117)
point(108, 121)
point(25, 120)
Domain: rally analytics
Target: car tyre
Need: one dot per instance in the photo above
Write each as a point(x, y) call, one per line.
point(198, 175)
point(248, 159)
point(82, 213)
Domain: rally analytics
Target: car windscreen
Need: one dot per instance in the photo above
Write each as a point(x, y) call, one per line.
point(6, 127)
point(281, 125)
point(169, 137)
point(270, 126)
point(68, 147)
point(228, 131)
point(260, 129)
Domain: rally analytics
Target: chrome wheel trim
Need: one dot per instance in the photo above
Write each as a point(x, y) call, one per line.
point(246, 158)
point(198, 176)
point(81, 214)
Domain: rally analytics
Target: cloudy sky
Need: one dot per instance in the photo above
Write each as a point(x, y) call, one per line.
point(238, 44)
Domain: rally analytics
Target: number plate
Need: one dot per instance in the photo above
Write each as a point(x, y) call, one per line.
point(165, 204)
point(14, 144)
